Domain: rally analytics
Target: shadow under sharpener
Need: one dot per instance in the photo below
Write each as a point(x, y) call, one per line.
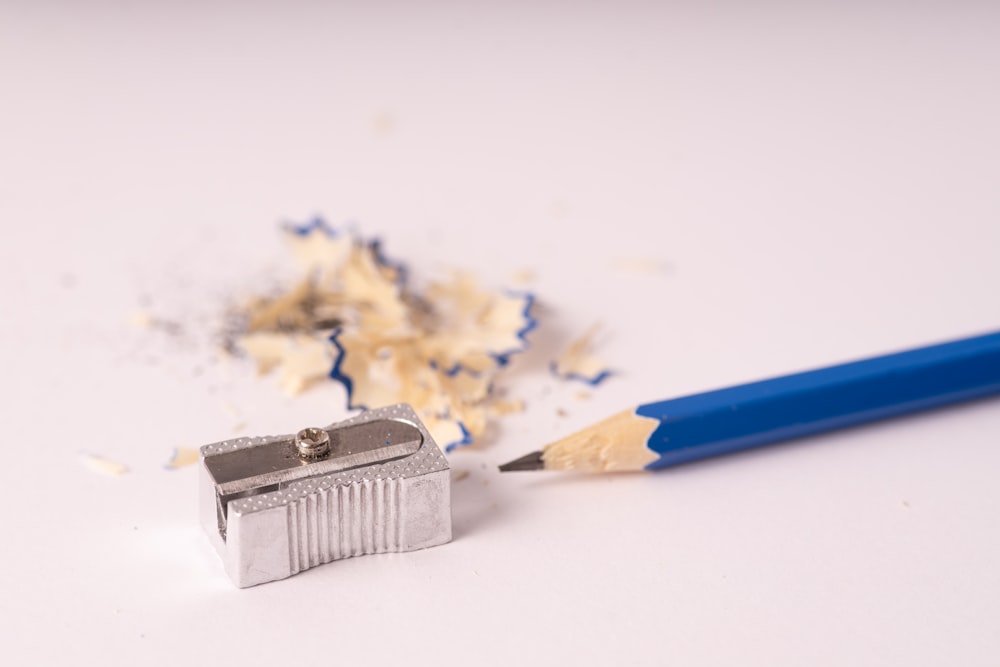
point(274, 506)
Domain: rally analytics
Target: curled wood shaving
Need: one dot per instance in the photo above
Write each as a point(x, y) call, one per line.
point(352, 317)
point(579, 363)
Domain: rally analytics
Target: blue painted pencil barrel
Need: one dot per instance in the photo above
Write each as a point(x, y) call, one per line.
point(760, 413)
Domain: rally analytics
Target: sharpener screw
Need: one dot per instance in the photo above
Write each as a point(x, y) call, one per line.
point(312, 443)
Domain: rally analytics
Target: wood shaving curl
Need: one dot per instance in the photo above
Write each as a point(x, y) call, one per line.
point(352, 317)
point(578, 362)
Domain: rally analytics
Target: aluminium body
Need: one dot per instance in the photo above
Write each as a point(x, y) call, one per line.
point(274, 506)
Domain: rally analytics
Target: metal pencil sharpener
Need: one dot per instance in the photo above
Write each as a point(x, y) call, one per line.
point(274, 506)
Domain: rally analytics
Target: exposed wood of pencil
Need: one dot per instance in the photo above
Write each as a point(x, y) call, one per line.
point(616, 444)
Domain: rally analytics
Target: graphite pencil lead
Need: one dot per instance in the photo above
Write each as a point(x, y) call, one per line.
point(532, 461)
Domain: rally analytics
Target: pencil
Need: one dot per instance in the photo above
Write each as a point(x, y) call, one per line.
point(666, 433)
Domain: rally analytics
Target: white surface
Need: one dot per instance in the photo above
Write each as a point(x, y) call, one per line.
point(823, 183)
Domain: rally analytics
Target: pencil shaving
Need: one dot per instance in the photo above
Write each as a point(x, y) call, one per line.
point(183, 457)
point(352, 317)
point(231, 409)
point(579, 363)
point(501, 407)
point(142, 319)
point(102, 466)
point(301, 360)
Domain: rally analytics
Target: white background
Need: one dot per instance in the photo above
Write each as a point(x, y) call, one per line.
point(821, 183)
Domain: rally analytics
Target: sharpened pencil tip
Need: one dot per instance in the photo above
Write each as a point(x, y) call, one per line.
point(532, 461)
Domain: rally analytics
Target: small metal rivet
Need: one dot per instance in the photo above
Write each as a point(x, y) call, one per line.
point(312, 443)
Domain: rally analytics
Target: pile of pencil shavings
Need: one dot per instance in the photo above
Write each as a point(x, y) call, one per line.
point(352, 317)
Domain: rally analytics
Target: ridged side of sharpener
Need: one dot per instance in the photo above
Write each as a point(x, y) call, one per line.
point(342, 521)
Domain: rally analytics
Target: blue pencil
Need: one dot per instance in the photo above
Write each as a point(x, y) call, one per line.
point(704, 425)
